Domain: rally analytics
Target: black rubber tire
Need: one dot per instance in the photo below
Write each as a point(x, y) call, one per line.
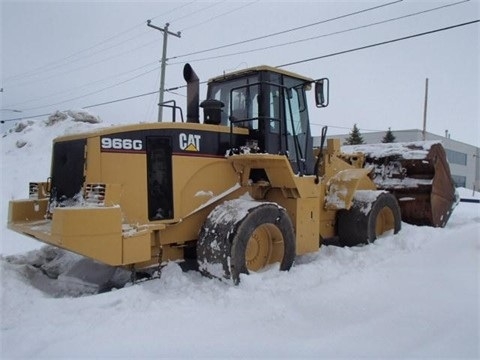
point(226, 243)
point(357, 226)
point(264, 214)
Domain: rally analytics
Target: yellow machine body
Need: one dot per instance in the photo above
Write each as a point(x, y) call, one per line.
point(111, 224)
point(139, 195)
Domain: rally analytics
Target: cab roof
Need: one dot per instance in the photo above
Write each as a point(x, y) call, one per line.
point(257, 69)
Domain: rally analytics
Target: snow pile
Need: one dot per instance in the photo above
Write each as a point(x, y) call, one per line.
point(410, 295)
point(75, 115)
point(42, 268)
point(39, 134)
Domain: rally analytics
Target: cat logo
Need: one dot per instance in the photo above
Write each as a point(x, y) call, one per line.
point(189, 142)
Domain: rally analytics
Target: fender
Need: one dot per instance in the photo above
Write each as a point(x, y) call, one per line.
point(342, 186)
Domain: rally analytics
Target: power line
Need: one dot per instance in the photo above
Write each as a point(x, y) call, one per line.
point(252, 50)
point(220, 15)
point(87, 65)
point(323, 35)
point(116, 55)
point(80, 52)
point(380, 43)
point(287, 31)
point(75, 60)
point(25, 117)
point(87, 107)
point(174, 9)
point(140, 95)
point(288, 64)
point(356, 28)
point(195, 12)
point(71, 90)
point(122, 99)
point(176, 93)
point(101, 60)
point(79, 58)
point(151, 42)
point(54, 64)
point(94, 92)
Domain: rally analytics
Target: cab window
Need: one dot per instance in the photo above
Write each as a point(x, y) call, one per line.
point(244, 98)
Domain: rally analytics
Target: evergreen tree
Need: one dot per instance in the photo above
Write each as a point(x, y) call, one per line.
point(355, 137)
point(389, 137)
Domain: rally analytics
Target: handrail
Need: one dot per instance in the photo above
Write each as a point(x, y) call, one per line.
point(173, 107)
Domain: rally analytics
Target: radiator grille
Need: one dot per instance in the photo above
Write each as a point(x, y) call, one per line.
point(95, 194)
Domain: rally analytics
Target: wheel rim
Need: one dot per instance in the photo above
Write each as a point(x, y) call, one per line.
point(259, 247)
point(385, 221)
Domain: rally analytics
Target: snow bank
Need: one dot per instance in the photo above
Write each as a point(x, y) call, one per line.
point(413, 295)
point(75, 115)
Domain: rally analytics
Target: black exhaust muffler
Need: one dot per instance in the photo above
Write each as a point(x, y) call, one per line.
point(193, 94)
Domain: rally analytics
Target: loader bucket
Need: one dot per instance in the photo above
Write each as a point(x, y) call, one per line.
point(418, 175)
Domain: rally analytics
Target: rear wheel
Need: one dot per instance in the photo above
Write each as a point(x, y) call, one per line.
point(241, 236)
point(365, 221)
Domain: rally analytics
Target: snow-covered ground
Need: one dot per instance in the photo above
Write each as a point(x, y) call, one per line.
point(410, 295)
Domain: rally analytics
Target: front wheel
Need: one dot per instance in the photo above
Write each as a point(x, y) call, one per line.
point(240, 236)
point(369, 218)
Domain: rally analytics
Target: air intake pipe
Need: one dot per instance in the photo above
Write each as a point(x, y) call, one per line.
point(193, 97)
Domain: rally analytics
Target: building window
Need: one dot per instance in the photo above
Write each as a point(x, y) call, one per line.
point(455, 157)
point(460, 181)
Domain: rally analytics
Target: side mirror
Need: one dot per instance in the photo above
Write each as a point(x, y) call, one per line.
point(321, 92)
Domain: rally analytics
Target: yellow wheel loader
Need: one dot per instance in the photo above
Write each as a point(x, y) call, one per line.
point(238, 192)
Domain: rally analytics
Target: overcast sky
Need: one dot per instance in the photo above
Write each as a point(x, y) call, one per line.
point(74, 54)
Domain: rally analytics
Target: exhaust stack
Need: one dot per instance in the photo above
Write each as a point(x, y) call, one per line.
point(193, 97)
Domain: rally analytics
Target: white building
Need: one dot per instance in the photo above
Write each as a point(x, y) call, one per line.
point(464, 159)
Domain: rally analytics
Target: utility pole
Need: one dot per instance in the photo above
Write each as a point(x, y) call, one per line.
point(424, 132)
point(164, 63)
